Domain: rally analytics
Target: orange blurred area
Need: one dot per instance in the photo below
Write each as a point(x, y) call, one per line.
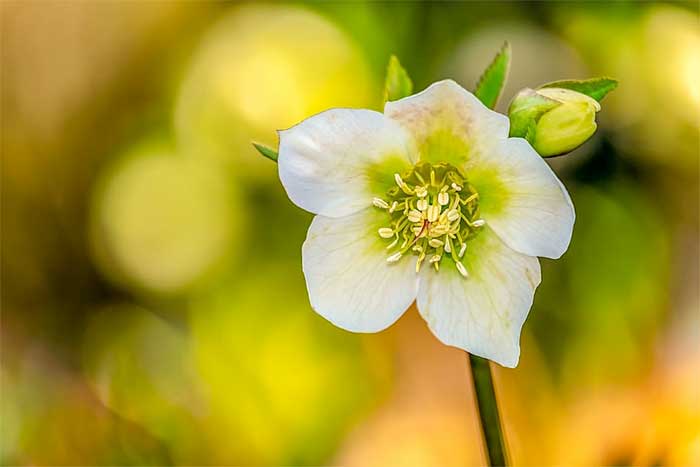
point(154, 310)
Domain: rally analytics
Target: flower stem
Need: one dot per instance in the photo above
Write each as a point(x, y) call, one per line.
point(488, 411)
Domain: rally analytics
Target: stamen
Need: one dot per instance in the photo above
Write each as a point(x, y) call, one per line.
point(421, 191)
point(394, 258)
point(435, 243)
point(380, 203)
point(427, 212)
point(415, 216)
point(462, 270)
point(393, 244)
point(471, 198)
point(433, 213)
point(421, 257)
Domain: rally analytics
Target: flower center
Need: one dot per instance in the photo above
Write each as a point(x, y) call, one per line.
point(433, 212)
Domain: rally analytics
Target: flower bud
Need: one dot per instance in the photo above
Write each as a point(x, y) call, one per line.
point(554, 120)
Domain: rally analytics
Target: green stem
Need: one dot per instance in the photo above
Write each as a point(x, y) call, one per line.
point(488, 411)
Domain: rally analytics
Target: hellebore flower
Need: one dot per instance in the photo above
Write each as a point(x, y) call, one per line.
point(430, 201)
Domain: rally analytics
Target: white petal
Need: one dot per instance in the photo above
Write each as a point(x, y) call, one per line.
point(522, 199)
point(484, 313)
point(349, 280)
point(335, 162)
point(448, 122)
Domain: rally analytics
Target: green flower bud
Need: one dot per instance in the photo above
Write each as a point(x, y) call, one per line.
point(554, 120)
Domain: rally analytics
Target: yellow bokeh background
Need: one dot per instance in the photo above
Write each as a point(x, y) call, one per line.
point(154, 310)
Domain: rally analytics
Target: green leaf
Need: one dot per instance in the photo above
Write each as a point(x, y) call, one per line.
point(491, 83)
point(398, 84)
point(266, 151)
point(525, 111)
point(597, 88)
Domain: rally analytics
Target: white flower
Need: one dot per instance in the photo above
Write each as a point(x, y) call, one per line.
point(430, 201)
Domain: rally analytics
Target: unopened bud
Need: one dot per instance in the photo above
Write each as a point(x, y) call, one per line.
point(554, 120)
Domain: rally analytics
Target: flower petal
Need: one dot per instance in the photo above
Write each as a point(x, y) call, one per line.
point(448, 122)
point(484, 313)
point(522, 199)
point(348, 278)
point(335, 162)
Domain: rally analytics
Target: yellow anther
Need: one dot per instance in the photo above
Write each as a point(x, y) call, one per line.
point(380, 203)
point(439, 231)
point(393, 207)
point(452, 215)
point(435, 258)
point(386, 232)
point(415, 216)
point(422, 204)
point(448, 244)
point(478, 223)
point(436, 243)
point(421, 191)
point(443, 198)
point(394, 258)
point(462, 270)
point(462, 249)
point(456, 187)
point(433, 212)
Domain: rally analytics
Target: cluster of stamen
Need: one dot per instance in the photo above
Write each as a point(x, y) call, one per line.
point(433, 212)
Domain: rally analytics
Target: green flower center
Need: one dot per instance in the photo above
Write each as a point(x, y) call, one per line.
point(432, 212)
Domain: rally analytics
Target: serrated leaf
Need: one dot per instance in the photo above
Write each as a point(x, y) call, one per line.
point(492, 81)
point(525, 110)
point(266, 151)
point(398, 84)
point(596, 88)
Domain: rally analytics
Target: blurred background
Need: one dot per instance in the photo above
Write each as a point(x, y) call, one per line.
point(153, 305)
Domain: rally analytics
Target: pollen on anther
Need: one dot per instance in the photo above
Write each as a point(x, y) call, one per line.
point(456, 187)
point(386, 232)
point(394, 258)
point(435, 243)
point(380, 203)
point(415, 216)
point(422, 204)
point(443, 198)
point(462, 270)
point(479, 223)
point(433, 213)
point(462, 249)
